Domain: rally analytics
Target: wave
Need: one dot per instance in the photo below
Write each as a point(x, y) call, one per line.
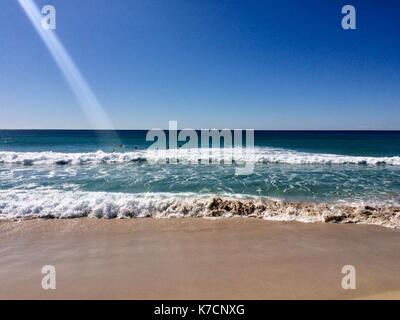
point(260, 155)
point(16, 204)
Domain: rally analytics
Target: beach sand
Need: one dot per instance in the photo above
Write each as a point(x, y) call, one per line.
point(196, 258)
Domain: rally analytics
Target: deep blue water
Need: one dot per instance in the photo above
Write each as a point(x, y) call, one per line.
point(362, 143)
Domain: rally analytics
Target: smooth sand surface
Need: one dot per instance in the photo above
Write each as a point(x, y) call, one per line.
point(196, 258)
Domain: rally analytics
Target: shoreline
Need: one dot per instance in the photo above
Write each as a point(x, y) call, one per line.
point(196, 259)
point(56, 204)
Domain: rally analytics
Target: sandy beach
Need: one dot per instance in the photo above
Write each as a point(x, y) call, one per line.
point(196, 258)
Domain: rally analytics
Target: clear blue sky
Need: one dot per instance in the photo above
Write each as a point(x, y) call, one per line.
point(237, 64)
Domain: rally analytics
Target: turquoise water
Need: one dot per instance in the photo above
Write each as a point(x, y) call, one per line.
point(301, 166)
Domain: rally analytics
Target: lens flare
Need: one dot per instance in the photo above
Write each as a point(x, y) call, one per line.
point(86, 98)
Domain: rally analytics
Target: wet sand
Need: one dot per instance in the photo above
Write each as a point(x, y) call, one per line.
point(196, 258)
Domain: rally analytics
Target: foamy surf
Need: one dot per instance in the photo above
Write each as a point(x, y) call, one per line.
point(48, 204)
point(260, 155)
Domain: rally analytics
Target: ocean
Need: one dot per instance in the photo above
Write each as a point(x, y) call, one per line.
point(310, 176)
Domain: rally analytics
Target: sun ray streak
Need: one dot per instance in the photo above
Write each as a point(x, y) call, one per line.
point(85, 96)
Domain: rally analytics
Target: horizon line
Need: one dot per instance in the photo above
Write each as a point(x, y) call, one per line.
point(196, 129)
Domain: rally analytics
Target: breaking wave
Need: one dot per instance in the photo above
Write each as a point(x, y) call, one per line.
point(18, 204)
point(260, 155)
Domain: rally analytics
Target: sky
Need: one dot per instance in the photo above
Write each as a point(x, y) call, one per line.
point(275, 65)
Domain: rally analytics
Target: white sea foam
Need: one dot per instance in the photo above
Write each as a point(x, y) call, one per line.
point(260, 155)
point(29, 204)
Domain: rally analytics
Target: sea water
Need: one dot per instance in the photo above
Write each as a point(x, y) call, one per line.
point(75, 173)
